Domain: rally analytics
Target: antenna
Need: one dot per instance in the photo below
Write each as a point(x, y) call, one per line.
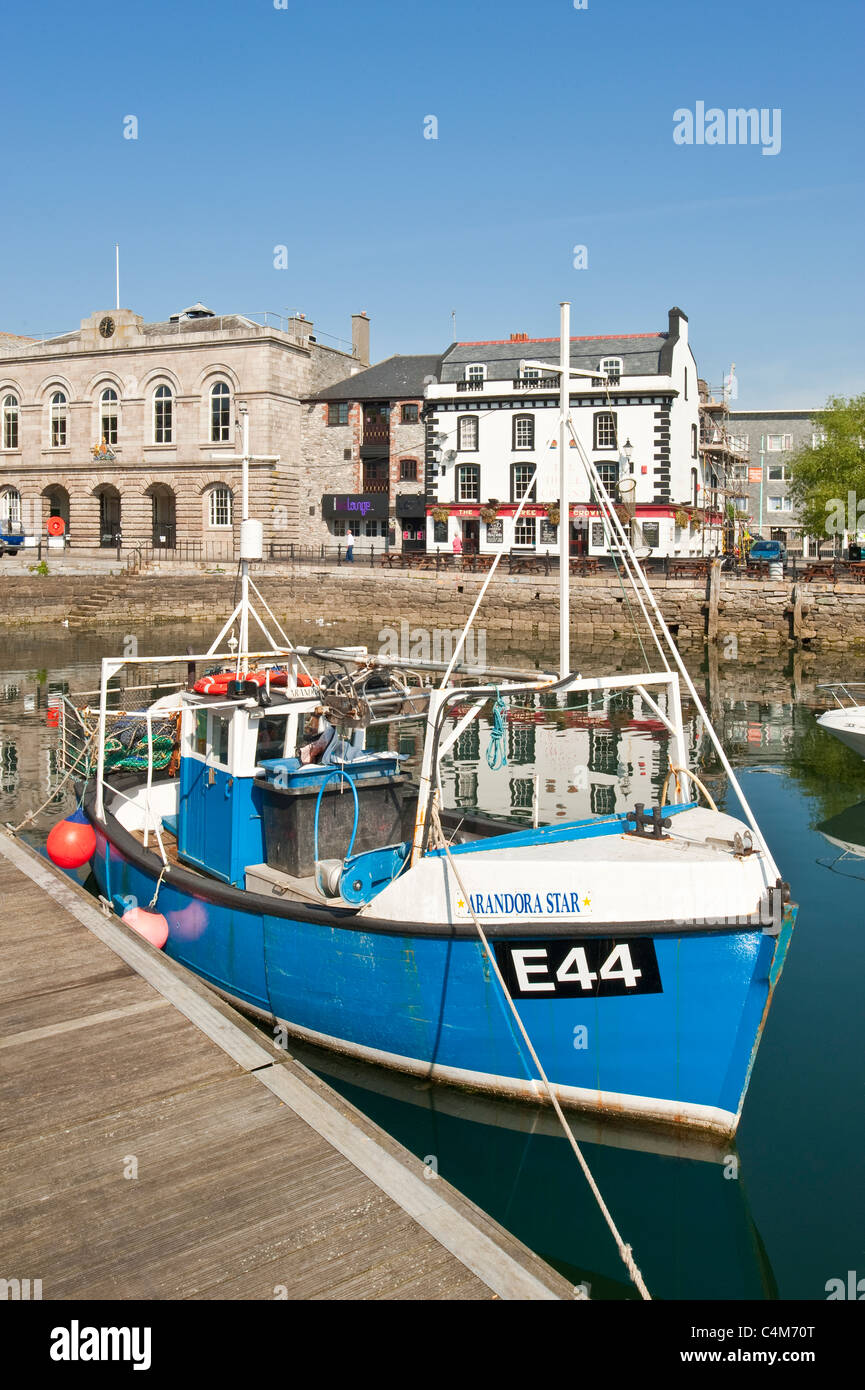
point(117, 273)
point(454, 324)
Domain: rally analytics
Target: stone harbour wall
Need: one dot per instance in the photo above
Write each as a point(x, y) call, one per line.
point(777, 614)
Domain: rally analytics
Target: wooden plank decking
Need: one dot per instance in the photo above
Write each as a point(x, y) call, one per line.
point(254, 1179)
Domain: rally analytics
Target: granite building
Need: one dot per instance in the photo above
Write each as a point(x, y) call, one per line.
point(125, 429)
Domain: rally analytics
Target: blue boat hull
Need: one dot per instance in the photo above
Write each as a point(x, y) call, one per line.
point(428, 1002)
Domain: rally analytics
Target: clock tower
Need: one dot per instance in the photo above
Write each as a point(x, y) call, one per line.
point(112, 329)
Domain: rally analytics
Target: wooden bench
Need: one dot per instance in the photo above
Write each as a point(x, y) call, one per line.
point(585, 564)
point(819, 570)
point(688, 569)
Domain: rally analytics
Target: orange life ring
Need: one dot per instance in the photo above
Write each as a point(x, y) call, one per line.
point(217, 683)
point(55, 526)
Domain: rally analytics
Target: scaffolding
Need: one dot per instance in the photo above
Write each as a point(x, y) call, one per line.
point(725, 472)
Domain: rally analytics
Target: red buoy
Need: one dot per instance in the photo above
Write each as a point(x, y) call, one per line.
point(151, 925)
point(71, 842)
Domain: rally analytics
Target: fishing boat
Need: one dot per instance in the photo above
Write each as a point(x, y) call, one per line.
point(846, 721)
point(620, 963)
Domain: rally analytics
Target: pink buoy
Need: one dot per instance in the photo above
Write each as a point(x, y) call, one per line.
point(151, 925)
point(71, 842)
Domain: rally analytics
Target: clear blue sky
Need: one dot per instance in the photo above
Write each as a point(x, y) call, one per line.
point(304, 127)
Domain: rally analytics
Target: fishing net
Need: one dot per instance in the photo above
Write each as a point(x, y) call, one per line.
point(127, 746)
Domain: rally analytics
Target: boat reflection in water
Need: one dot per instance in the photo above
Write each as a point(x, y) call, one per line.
point(847, 832)
point(679, 1197)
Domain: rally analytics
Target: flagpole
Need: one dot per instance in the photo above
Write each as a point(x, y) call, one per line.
point(117, 273)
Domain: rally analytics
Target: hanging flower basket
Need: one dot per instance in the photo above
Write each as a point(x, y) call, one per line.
point(553, 513)
point(440, 514)
point(489, 514)
point(622, 512)
point(681, 519)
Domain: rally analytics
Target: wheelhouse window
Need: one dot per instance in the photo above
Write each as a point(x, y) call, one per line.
point(59, 420)
point(524, 531)
point(524, 432)
point(469, 483)
point(408, 470)
point(611, 367)
point(108, 415)
point(163, 415)
point(410, 414)
point(10, 422)
point(220, 413)
point(467, 436)
point(523, 481)
point(605, 430)
point(219, 508)
point(337, 412)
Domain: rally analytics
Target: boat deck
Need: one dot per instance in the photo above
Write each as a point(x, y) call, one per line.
point(157, 1146)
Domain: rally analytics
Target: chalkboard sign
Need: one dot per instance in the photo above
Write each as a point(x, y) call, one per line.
point(651, 533)
point(495, 532)
point(549, 533)
point(597, 535)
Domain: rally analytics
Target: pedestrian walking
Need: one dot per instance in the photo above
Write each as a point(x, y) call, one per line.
point(349, 548)
point(458, 549)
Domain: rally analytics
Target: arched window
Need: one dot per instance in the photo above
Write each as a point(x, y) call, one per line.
point(10, 508)
point(59, 420)
point(108, 416)
point(693, 441)
point(163, 415)
point(10, 422)
point(220, 413)
point(695, 487)
point(524, 432)
point(467, 437)
point(219, 506)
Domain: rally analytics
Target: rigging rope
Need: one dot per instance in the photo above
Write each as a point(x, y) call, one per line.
point(624, 1250)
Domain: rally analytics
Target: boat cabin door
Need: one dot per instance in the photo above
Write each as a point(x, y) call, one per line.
point(204, 823)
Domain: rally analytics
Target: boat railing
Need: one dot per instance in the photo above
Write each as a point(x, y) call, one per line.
point(841, 691)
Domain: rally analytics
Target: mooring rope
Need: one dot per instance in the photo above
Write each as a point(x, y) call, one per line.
point(31, 815)
point(624, 1250)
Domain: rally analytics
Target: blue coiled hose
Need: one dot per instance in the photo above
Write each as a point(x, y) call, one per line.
point(337, 772)
point(496, 755)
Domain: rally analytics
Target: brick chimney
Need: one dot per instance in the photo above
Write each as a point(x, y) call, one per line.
point(360, 337)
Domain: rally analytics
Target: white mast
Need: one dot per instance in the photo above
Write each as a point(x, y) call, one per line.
point(117, 273)
point(564, 505)
point(250, 546)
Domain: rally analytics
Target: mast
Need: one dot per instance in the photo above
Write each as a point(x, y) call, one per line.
point(564, 505)
point(244, 562)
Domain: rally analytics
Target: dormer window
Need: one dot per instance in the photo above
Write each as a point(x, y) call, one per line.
point(611, 367)
point(530, 373)
point(476, 372)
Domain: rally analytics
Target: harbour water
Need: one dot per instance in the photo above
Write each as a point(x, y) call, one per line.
point(781, 1213)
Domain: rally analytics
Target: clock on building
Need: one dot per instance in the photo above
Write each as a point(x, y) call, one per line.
point(106, 326)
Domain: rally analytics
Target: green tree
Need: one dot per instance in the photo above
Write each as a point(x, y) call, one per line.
point(824, 477)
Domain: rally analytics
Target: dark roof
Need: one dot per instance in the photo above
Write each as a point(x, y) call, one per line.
point(393, 379)
point(640, 354)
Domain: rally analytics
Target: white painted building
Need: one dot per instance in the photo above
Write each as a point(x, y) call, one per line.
point(492, 421)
